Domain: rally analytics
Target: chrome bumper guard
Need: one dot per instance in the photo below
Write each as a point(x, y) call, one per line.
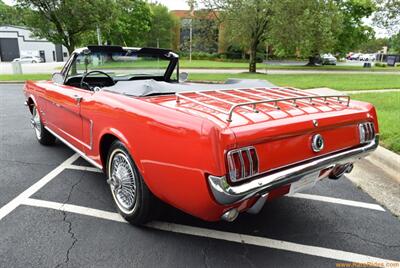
point(226, 194)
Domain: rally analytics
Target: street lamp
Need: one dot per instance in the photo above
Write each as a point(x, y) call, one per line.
point(191, 4)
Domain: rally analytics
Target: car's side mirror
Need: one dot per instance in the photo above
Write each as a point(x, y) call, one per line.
point(57, 78)
point(183, 77)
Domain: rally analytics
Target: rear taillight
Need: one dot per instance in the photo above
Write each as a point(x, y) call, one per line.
point(367, 132)
point(242, 163)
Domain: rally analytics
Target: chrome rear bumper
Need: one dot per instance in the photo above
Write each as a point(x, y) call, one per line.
point(226, 194)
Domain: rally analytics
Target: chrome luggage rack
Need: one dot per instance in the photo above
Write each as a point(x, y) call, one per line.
point(293, 99)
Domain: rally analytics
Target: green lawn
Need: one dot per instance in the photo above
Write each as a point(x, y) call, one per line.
point(24, 77)
point(208, 64)
point(304, 81)
point(388, 108)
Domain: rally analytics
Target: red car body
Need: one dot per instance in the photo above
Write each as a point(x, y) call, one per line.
point(180, 143)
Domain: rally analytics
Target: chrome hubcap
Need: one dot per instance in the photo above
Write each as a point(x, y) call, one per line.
point(122, 181)
point(35, 122)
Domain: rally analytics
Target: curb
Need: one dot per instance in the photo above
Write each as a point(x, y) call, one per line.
point(372, 91)
point(11, 82)
point(386, 160)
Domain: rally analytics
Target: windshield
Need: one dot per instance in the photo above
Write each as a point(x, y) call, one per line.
point(125, 64)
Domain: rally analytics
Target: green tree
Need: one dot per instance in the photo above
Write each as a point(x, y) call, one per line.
point(205, 32)
point(373, 45)
point(305, 27)
point(9, 15)
point(311, 27)
point(353, 31)
point(388, 15)
point(161, 32)
point(65, 21)
point(394, 43)
point(246, 22)
point(129, 24)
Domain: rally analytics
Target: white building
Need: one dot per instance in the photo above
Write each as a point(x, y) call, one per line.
point(17, 41)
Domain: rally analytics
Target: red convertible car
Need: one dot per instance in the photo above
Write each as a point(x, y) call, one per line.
point(210, 150)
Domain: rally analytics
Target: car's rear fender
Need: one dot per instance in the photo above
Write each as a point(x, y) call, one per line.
point(174, 151)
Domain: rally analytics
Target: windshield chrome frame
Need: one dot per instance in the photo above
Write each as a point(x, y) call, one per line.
point(173, 63)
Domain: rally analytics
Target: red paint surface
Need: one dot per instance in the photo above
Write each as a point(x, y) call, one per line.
point(176, 145)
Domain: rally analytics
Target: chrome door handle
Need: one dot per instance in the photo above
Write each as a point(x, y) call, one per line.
point(77, 98)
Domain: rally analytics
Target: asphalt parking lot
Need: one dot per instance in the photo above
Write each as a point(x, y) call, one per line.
point(56, 211)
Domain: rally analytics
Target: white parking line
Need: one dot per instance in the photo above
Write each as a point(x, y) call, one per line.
point(338, 201)
point(83, 168)
point(296, 195)
point(75, 209)
point(220, 235)
point(13, 204)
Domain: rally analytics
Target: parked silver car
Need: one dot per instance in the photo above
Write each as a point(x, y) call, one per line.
point(367, 57)
point(28, 59)
point(328, 59)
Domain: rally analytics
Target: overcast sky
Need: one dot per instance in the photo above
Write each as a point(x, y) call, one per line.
point(181, 4)
point(173, 4)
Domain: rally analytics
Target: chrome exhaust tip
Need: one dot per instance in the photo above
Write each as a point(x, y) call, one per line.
point(230, 215)
point(349, 168)
point(339, 170)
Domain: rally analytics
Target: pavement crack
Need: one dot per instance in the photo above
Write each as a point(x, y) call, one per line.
point(74, 239)
point(70, 231)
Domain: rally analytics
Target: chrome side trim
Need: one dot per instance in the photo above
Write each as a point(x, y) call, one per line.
point(91, 135)
point(76, 139)
point(226, 194)
point(83, 155)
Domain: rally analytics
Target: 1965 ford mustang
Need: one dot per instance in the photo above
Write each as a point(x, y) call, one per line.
point(211, 150)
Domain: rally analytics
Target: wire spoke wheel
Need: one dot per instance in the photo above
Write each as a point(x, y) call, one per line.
point(36, 123)
point(122, 182)
point(134, 201)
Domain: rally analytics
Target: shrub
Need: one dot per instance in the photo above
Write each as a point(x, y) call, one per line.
point(380, 64)
point(200, 55)
point(228, 56)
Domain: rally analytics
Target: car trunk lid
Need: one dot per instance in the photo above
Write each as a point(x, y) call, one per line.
point(279, 122)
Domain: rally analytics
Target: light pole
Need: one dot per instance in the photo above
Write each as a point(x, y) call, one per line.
point(98, 35)
point(190, 39)
point(191, 4)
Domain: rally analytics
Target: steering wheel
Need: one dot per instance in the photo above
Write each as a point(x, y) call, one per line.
point(86, 85)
